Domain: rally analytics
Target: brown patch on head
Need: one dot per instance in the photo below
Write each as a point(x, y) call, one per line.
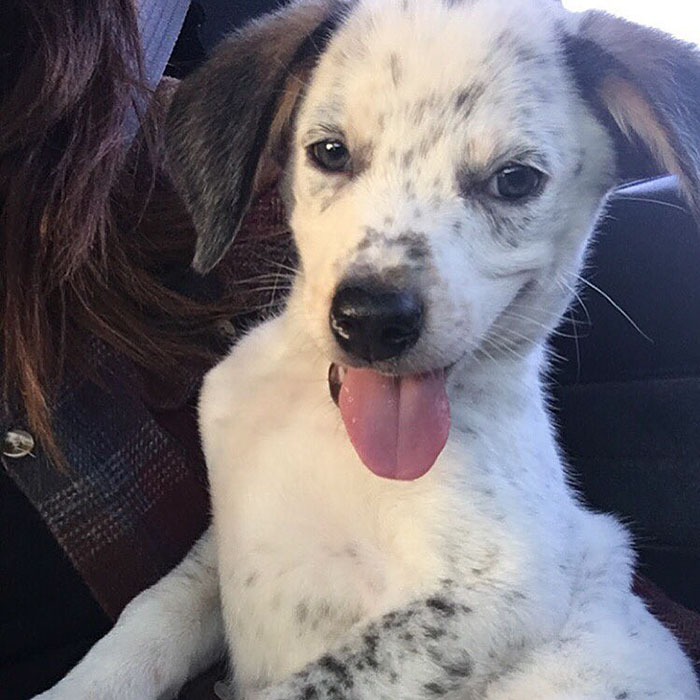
point(634, 115)
point(642, 84)
point(224, 117)
point(276, 149)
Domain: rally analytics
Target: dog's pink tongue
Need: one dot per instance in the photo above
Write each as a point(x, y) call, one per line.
point(397, 425)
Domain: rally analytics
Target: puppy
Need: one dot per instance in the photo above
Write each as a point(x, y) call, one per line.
point(410, 533)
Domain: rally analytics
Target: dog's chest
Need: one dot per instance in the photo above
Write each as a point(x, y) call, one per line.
point(310, 542)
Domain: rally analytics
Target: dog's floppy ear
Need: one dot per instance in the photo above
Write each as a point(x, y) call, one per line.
point(648, 86)
point(233, 110)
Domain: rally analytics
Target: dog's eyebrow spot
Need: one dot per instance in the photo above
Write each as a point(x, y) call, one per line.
point(420, 107)
point(466, 98)
point(395, 67)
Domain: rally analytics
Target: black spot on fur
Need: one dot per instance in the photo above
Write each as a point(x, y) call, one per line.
point(396, 619)
point(395, 67)
point(252, 578)
point(337, 669)
point(434, 632)
point(407, 158)
point(463, 668)
point(415, 244)
point(434, 689)
point(371, 237)
point(309, 693)
point(441, 605)
point(302, 613)
point(467, 97)
point(424, 148)
point(622, 696)
point(371, 644)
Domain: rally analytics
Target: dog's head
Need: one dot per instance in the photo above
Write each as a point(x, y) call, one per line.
point(443, 161)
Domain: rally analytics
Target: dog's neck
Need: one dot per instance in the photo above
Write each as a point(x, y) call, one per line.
point(498, 386)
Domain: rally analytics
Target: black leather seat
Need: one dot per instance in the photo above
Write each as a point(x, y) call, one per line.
point(628, 400)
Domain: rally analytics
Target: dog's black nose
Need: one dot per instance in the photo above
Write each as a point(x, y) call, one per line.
point(373, 322)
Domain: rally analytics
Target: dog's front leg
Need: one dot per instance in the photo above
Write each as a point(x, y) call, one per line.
point(166, 635)
point(435, 647)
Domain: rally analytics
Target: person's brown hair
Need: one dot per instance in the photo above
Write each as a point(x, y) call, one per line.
point(87, 222)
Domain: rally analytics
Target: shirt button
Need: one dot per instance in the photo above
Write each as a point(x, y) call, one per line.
point(17, 443)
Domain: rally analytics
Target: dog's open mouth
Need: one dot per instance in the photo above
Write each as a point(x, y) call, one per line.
point(398, 425)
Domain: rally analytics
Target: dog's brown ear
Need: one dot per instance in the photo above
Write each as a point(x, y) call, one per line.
point(647, 86)
point(233, 110)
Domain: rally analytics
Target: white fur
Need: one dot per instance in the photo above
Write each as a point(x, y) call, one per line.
point(313, 551)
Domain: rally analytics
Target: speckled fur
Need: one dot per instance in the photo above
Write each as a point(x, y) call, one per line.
point(485, 579)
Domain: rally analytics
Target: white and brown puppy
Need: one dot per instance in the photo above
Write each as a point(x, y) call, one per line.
point(444, 164)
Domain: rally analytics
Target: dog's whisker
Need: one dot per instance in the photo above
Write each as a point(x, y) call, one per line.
point(615, 305)
point(501, 344)
point(659, 202)
point(546, 313)
point(572, 289)
point(539, 324)
point(511, 331)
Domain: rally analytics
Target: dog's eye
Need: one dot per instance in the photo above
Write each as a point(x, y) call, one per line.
point(331, 155)
point(516, 181)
